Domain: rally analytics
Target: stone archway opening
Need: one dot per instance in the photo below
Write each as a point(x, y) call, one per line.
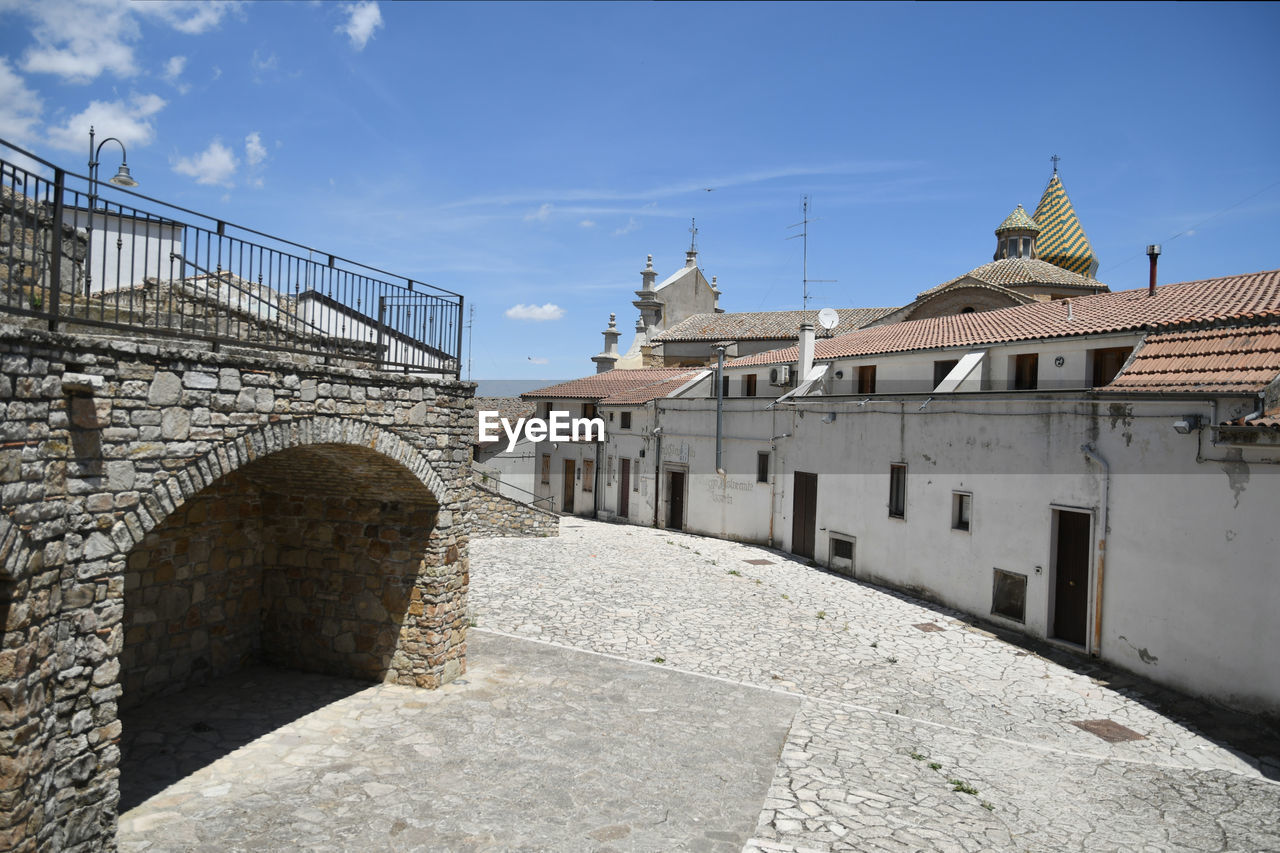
point(322, 558)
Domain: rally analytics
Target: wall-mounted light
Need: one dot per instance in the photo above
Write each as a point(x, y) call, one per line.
point(839, 374)
point(1187, 425)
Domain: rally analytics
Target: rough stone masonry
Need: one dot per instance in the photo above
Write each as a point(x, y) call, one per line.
point(171, 513)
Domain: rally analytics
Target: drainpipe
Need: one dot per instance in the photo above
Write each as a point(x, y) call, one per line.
point(595, 478)
point(1092, 453)
point(719, 409)
point(1153, 252)
point(805, 351)
point(657, 469)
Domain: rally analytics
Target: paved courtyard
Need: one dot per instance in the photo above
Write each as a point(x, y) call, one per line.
point(635, 689)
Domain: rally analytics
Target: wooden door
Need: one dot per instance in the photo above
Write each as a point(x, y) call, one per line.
point(675, 501)
point(570, 468)
point(1071, 576)
point(804, 515)
point(624, 488)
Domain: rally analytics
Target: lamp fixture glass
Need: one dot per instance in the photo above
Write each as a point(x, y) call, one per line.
point(123, 178)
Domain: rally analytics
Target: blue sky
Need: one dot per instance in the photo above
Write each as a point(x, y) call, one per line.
point(533, 154)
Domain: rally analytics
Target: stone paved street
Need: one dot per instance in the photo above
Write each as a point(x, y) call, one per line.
point(634, 689)
point(906, 739)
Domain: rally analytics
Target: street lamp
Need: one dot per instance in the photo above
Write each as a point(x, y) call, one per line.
point(122, 177)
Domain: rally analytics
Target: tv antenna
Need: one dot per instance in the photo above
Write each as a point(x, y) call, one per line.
point(471, 321)
point(804, 236)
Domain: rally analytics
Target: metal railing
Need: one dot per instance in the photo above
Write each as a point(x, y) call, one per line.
point(71, 259)
point(492, 478)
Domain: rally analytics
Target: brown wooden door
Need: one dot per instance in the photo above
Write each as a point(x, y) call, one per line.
point(624, 488)
point(675, 501)
point(570, 468)
point(804, 515)
point(1071, 577)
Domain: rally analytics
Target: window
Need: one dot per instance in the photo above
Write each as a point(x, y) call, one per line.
point(897, 491)
point(961, 506)
point(546, 469)
point(1105, 364)
point(588, 410)
point(867, 379)
point(1009, 595)
point(941, 369)
point(1025, 371)
point(841, 548)
point(762, 467)
point(749, 385)
point(626, 421)
point(724, 385)
point(588, 475)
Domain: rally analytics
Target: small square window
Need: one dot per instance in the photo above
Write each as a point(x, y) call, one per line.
point(897, 491)
point(626, 421)
point(961, 507)
point(762, 467)
point(942, 368)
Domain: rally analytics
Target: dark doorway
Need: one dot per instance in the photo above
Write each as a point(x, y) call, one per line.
point(675, 500)
point(624, 488)
point(1071, 575)
point(804, 516)
point(570, 468)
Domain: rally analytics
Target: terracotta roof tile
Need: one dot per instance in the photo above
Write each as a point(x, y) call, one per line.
point(606, 384)
point(763, 325)
point(1015, 272)
point(648, 393)
point(1244, 359)
point(1240, 296)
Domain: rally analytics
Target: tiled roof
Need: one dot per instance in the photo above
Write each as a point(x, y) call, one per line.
point(1019, 272)
point(648, 393)
point(1062, 241)
point(606, 384)
point(1017, 221)
point(763, 325)
point(1241, 358)
point(1245, 296)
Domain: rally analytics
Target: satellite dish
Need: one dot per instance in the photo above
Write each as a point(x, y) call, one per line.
point(828, 318)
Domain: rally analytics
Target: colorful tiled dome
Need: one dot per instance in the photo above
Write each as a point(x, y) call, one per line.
point(1062, 240)
point(1019, 220)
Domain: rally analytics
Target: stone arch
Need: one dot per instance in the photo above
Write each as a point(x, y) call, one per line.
point(322, 545)
point(168, 495)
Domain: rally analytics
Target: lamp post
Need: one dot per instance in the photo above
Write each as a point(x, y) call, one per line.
point(122, 177)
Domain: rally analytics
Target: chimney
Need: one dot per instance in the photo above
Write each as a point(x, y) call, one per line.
point(1153, 252)
point(806, 351)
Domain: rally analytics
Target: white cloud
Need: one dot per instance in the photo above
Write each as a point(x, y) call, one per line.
point(542, 214)
point(632, 225)
point(19, 106)
point(362, 20)
point(536, 313)
point(192, 18)
point(130, 123)
point(174, 67)
point(78, 40)
point(213, 166)
point(254, 152)
point(586, 223)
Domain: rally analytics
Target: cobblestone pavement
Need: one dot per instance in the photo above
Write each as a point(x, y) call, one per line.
point(907, 737)
point(535, 748)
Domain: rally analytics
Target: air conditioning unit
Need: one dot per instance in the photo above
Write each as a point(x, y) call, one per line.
point(780, 375)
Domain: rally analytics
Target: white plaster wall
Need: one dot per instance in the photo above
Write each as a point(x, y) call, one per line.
point(143, 252)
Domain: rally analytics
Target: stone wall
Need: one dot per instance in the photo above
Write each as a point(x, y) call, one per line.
point(495, 515)
point(26, 230)
point(107, 450)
